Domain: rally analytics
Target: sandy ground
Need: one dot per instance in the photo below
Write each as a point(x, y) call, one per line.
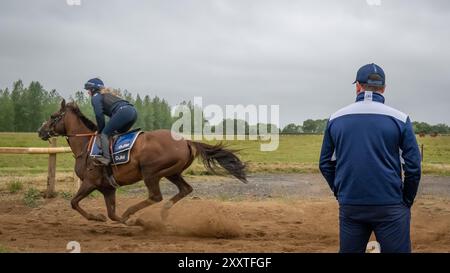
point(274, 213)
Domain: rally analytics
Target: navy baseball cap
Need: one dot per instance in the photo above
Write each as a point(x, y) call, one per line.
point(364, 75)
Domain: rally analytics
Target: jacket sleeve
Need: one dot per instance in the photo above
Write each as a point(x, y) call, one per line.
point(97, 104)
point(412, 163)
point(327, 164)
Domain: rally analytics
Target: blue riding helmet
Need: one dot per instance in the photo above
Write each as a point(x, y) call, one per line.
point(95, 84)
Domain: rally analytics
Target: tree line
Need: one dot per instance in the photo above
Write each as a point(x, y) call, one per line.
point(309, 126)
point(24, 108)
point(425, 128)
point(318, 127)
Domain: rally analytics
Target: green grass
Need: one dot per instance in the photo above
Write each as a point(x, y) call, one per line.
point(436, 149)
point(66, 195)
point(294, 154)
point(17, 164)
point(15, 186)
point(94, 194)
point(31, 197)
point(3, 249)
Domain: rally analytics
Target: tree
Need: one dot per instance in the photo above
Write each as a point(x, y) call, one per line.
point(148, 114)
point(7, 108)
point(321, 125)
point(52, 102)
point(314, 126)
point(34, 105)
point(292, 128)
point(165, 115)
point(18, 107)
point(421, 127)
point(156, 102)
point(440, 128)
point(138, 104)
point(309, 126)
point(126, 95)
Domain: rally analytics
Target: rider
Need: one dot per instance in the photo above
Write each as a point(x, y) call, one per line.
point(122, 115)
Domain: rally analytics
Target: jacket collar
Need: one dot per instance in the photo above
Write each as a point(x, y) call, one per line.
point(370, 96)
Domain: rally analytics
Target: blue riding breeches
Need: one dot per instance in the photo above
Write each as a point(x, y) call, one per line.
point(121, 120)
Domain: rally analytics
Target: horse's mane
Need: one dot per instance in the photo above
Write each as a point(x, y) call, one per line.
point(76, 110)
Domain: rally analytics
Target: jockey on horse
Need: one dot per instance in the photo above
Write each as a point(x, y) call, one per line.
point(155, 155)
point(122, 115)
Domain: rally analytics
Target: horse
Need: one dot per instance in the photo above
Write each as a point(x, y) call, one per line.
point(155, 155)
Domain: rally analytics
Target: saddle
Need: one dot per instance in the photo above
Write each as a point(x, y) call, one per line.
point(120, 144)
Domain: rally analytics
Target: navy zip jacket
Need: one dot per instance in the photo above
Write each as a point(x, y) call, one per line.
point(105, 104)
point(366, 146)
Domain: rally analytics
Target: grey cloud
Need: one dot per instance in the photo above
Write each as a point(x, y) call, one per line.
point(302, 55)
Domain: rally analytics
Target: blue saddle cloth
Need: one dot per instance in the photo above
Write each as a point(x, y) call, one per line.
point(121, 147)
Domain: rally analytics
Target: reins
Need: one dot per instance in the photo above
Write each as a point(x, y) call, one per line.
point(82, 135)
point(91, 140)
point(89, 146)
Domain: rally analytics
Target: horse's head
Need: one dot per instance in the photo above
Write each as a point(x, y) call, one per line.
point(55, 125)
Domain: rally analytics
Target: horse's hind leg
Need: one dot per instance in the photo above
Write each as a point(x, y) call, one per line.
point(154, 196)
point(183, 189)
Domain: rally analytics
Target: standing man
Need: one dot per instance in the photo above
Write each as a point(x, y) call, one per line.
point(366, 147)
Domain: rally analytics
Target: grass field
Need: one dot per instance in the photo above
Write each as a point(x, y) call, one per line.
point(294, 154)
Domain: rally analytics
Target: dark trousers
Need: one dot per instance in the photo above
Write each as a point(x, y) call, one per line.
point(121, 121)
point(391, 225)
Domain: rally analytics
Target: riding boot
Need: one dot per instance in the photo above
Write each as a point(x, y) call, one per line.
point(106, 155)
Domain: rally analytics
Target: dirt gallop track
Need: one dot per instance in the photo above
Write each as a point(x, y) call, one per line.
point(277, 213)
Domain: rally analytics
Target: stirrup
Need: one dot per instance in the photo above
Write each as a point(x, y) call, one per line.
point(112, 181)
point(107, 173)
point(103, 161)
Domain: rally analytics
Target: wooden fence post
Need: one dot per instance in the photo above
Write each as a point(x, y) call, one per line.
point(51, 171)
point(421, 152)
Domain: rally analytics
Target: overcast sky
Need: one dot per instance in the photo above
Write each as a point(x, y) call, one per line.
point(301, 55)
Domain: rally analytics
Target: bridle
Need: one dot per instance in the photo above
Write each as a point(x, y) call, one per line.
point(53, 122)
point(52, 133)
point(87, 147)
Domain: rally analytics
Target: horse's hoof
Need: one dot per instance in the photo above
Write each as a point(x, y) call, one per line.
point(124, 219)
point(129, 223)
point(98, 218)
point(116, 220)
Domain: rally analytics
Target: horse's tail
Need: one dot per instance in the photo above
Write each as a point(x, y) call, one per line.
point(217, 155)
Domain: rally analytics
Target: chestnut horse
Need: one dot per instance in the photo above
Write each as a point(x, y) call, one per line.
point(154, 155)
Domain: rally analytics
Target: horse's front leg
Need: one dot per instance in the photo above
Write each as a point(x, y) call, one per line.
point(110, 201)
point(85, 189)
